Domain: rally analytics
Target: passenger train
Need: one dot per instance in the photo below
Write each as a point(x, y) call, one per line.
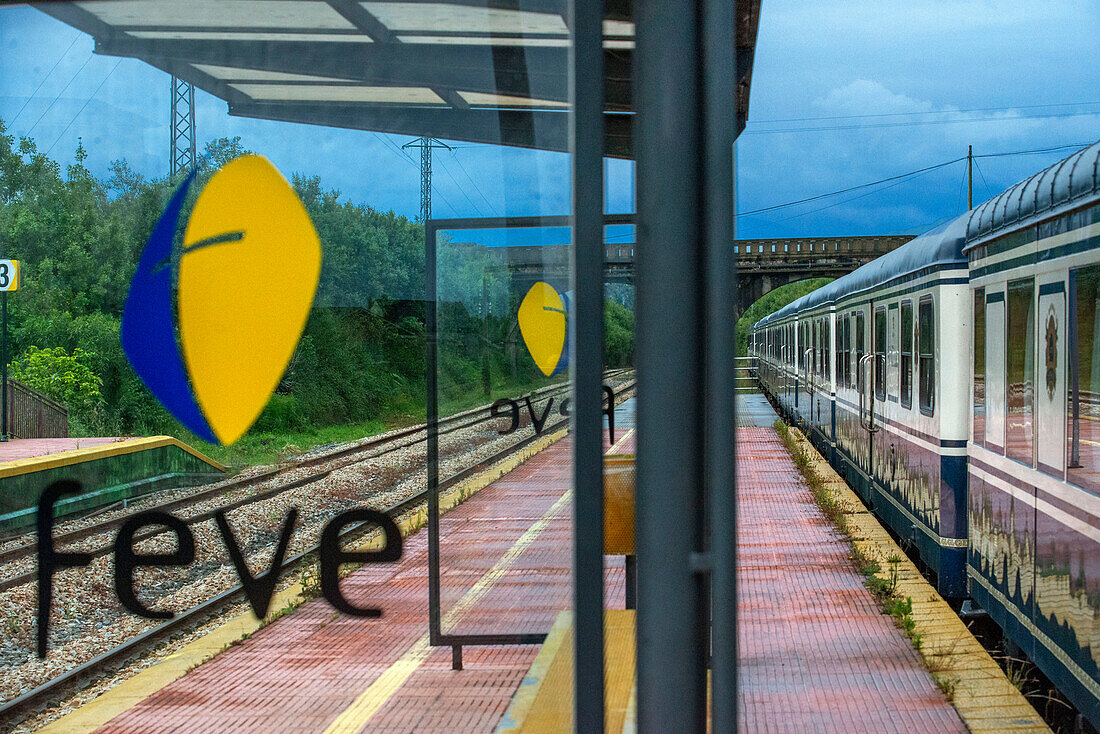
point(955, 383)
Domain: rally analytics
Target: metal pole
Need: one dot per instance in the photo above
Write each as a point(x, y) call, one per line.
point(586, 133)
point(4, 359)
point(432, 357)
point(719, 85)
point(969, 177)
point(670, 338)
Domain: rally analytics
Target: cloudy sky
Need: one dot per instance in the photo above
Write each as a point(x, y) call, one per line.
point(844, 93)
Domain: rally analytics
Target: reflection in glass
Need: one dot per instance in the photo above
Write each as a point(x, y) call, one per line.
point(880, 353)
point(859, 349)
point(907, 354)
point(1083, 434)
point(926, 355)
point(979, 365)
point(1020, 440)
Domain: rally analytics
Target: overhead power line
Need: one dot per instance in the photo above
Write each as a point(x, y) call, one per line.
point(909, 174)
point(48, 73)
point(926, 112)
point(58, 96)
point(86, 102)
point(917, 123)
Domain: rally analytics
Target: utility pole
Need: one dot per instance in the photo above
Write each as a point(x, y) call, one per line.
point(969, 177)
point(182, 155)
point(425, 145)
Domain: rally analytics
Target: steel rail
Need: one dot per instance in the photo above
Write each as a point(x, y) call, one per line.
point(209, 607)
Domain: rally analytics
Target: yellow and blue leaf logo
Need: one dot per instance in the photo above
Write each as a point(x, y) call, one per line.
point(247, 275)
point(544, 323)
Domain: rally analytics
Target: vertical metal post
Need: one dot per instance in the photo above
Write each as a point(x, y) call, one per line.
point(586, 141)
point(719, 120)
point(4, 360)
point(432, 358)
point(426, 179)
point(670, 339)
point(182, 152)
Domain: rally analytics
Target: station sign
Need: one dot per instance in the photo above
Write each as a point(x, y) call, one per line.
point(9, 275)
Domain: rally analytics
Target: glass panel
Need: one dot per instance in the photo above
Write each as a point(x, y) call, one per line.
point(860, 326)
point(926, 355)
point(979, 365)
point(1019, 442)
point(880, 353)
point(907, 353)
point(1083, 434)
point(828, 330)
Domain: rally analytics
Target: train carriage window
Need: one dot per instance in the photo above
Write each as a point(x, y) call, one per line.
point(1020, 438)
point(860, 328)
point(1083, 409)
point(907, 354)
point(979, 366)
point(880, 352)
point(926, 355)
point(848, 350)
point(841, 351)
point(827, 330)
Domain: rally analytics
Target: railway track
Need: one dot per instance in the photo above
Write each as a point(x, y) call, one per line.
point(55, 688)
point(360, 451)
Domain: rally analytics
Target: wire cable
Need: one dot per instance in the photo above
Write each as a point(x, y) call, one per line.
point(916, 123)
point(1049, 149)
point(112, 71)
point(492, 208)
point(928, 112)
point(48, 73)
point(50, 107)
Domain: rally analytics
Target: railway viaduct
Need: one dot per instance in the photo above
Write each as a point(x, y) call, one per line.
point(762, 265)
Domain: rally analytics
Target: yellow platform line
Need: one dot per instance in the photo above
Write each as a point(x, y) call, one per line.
point(356, 716)
point(985, 699)
point(133, 691)
point(118, 448)
point(621, 441)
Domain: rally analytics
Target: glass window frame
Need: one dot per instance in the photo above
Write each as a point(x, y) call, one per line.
point(927, 402)
point(878, 347)
point(905, 354)
point(1015, 286)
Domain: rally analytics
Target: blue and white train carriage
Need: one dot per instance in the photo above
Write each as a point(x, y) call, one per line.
point(955, 382)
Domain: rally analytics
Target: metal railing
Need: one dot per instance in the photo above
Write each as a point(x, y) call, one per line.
point(33, 415)
point(745, 377)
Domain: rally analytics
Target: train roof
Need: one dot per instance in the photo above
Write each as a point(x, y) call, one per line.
point(1059, 187)
point(1054, 189)
point(937, 248)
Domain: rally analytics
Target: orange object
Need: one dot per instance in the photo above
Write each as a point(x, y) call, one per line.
point(618, 504)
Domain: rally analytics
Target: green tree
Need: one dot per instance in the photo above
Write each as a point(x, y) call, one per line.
point(772, 302)
point(65, 377)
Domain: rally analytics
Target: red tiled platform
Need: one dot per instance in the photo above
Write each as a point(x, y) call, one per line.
point(28, 448)
point(817, 656)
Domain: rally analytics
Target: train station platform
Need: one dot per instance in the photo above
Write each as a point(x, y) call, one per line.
point(816, 652)
point(109, 470)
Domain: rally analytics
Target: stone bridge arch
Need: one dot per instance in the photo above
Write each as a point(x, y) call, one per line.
point(762, 264)
point(766, 264)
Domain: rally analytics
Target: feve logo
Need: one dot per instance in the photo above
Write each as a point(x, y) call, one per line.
point(544, 323)
point(248, 272)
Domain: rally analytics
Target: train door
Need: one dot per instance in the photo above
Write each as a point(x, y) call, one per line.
point(866, 374)
point(1050, 382)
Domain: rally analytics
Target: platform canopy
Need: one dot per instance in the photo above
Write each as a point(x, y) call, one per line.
point(490, 72)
